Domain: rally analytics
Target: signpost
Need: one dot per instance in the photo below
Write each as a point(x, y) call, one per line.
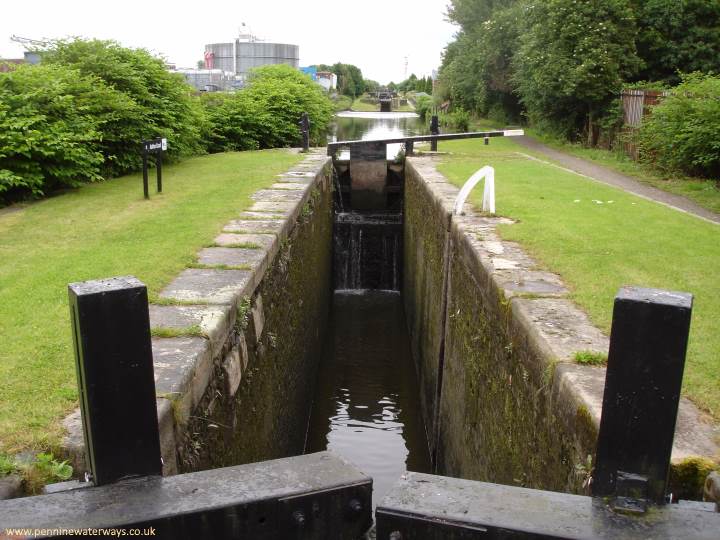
point(157, 147)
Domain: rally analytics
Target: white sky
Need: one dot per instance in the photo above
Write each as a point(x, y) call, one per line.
point(375, 35)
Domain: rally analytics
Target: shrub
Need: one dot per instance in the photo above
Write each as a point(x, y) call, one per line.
point(51, 123)
point(285, 93)
point(266, 114)
point(164, 104)
point(459, 120)
point(235, 122)
point(423, 105)
point(681, 133)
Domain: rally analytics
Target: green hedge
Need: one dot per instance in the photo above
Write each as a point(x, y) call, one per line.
point(80, 116)
point(51, 124)
point(164, 102)
point(682, 134)
point(267, 112)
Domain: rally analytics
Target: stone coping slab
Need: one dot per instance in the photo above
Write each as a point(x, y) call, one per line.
point(278, 195)
point(214, 322)
point(207, 303)
point(555, 326)
point(208, 286)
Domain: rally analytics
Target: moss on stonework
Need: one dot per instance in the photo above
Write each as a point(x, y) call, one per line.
point(188, 331)
point(498, 420)
point(687, 477)
point(267, 417)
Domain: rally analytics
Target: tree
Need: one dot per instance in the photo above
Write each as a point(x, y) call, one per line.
point(266, 113)
point(572, 62)
point(52, 123)
point(164, 103)
point(677, 36)
point(476, 69)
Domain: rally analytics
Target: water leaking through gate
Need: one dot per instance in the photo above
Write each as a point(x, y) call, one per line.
point(366, 406)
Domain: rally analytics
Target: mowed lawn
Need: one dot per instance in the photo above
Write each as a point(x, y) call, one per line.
point(98, 231)
point(599, 239)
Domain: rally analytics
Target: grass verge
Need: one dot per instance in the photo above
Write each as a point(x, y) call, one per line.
point(704, 192)
point(599, 238)
point(100, 230)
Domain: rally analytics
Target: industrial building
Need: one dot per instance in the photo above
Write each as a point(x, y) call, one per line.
point(210, 80)
point(247, 52)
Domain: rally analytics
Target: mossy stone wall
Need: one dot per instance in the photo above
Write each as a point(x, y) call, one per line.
point(267, 417)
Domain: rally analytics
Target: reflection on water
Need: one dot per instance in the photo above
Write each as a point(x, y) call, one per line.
point(353, 126)
point(367, 405)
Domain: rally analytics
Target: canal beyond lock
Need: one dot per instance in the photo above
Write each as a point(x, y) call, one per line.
point(366, 406)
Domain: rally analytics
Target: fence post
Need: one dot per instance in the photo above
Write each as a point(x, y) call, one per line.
point(113, 356)
point(648, 342)
point(434, 130)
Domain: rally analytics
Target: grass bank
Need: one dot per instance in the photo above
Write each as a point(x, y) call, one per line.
point(599, 238)
point(98, 231)
point(705, 192)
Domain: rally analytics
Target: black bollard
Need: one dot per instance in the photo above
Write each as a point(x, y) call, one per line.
point(434, 130)
point(305, 130)
point(113, 355)
point(648, 342)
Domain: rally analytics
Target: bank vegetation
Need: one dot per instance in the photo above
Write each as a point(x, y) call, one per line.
point(81, 114)
point(560, 66)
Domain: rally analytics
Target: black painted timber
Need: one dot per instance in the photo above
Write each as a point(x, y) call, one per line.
point(427, 507)
point(306, 497)
point(332, 147)
point(116, 384)
point(646, 360)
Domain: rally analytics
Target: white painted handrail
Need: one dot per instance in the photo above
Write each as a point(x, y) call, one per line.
point(488, 204)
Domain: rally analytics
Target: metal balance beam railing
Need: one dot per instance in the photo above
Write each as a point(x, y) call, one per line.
point(410, 141)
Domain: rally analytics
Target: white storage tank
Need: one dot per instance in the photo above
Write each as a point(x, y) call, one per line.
point(246, 53)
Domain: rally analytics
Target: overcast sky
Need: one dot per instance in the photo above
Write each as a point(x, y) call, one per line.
point(375, 35)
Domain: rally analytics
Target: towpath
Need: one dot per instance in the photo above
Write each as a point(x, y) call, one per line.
point(627, 183)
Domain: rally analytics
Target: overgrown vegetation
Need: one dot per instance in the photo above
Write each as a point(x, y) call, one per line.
point(561, 64)
point(681, 134)
point(81, 115)
point(265, 115)
point(42, 469)
point(591, 358)
point(158, 103)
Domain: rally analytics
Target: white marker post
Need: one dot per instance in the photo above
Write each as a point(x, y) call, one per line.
point(488, 204)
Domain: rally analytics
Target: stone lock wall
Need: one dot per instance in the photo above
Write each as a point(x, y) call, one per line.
point(494, 339)
point(237, 338)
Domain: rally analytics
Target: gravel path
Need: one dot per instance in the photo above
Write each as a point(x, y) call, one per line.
point(607, 176)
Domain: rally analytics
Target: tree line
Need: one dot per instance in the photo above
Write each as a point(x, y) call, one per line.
point(81, 114)
point(561, 64)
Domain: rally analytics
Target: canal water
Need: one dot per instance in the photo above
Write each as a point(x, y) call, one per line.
point(353, 126)
point(367, 406)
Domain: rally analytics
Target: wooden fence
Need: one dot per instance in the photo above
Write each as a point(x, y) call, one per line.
point(636, 105)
